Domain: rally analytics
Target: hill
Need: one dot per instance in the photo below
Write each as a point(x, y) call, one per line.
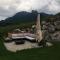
point(22, 17)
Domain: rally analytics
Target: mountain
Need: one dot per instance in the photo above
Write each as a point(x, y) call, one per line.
point(20, 17)
point(25, 17)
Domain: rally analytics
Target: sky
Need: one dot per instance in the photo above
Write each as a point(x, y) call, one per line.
point(9, 7)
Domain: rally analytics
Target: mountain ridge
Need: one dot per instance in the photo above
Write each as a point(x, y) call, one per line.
point(25, 17)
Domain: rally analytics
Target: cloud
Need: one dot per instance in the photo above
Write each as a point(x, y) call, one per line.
point(10, 7)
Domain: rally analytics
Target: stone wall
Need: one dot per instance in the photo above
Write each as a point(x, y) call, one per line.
point(51, 30)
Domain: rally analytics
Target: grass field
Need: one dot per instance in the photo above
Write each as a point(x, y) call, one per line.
point(47, 53)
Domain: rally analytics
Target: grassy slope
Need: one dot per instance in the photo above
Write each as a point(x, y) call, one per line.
point(5, 29)
point(51, 53)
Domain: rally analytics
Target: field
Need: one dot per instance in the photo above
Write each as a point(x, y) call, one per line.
point(46, 53)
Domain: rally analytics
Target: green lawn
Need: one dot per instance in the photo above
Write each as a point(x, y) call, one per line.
point(47, 53)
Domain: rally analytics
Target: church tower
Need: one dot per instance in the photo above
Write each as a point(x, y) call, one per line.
point(38, 29)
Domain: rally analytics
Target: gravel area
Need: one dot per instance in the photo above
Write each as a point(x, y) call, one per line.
point(13, 47)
